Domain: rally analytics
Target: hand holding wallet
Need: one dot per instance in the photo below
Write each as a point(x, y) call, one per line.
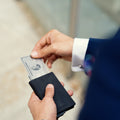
point(40, 78)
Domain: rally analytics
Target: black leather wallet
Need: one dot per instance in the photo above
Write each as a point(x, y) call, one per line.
point(62, 99)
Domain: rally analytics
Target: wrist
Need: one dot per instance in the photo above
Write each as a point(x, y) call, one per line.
point(70, 48)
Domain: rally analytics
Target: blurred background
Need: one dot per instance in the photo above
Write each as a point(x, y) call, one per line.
point(24, 22)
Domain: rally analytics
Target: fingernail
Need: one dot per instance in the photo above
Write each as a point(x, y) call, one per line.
point(49, 65)
point(71, 92)
point(49, 86)
point(34, 54)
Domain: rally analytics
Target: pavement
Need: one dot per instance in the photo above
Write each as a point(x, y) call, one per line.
point(17, 39)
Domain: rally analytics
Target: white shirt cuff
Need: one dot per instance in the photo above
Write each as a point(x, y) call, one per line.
point(78, 54)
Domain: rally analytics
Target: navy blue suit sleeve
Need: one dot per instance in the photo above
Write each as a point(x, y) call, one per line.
point(102, 101)
point(95, 43)
point(93, 46)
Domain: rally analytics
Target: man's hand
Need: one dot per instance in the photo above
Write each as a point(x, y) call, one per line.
point(44, 109)
point(52, 46)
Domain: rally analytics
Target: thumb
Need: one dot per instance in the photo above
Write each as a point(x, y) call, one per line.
point(49, 91)
point(39, 53)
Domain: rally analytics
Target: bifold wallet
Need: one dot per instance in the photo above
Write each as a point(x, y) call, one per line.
point(62, 99)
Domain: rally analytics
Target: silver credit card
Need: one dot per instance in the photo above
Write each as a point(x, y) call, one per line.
point(35, 67)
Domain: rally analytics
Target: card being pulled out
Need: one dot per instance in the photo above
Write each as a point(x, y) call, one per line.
point(40, 77)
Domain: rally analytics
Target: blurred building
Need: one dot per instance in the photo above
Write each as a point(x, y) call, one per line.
point(78, 18)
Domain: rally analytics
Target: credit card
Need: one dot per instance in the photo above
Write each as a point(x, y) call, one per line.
point(34, 67)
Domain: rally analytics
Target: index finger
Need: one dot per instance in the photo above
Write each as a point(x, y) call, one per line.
point(45, 40)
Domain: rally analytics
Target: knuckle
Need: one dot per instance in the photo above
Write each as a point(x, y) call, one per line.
point(48, 99)
point(40, 44)
point(54, 31)
point(53, 48)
